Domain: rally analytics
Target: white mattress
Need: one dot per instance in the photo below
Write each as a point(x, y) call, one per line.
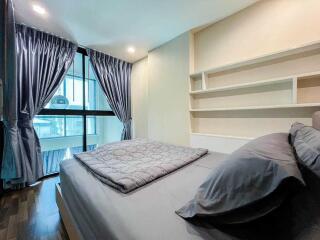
point(148, 213)
point(100, 212)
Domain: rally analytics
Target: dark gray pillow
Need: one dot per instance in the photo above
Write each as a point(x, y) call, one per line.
point(294, 130)
point(306, 142)
point(248, 177)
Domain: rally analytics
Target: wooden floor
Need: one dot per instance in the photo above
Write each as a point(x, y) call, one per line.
point(32, 213)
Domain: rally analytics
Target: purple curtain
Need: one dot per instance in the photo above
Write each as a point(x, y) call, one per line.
point(42, 61)
point(114, 76)
point(7, 63)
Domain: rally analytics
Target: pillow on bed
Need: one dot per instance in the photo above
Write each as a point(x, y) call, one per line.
point(306, 142)
point(294, 130)
point(249, 183)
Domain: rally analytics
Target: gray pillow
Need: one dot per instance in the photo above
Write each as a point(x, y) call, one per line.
point(306, 142)
point(294, 130)
point(249, 176)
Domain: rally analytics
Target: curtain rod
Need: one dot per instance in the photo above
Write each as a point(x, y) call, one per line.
point(81, 47)
point(41, 30)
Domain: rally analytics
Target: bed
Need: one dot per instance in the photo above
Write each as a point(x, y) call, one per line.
point(100, 212)
point(93, 210)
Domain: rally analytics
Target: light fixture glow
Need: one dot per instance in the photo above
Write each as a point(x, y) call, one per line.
point(131, 49)
point(39, 9)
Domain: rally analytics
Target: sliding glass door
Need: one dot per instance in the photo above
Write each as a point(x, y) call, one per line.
point(77, 118)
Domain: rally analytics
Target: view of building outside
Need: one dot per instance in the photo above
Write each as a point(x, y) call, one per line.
point(62, 136)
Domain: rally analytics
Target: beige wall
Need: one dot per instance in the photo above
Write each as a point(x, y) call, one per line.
point(139, 99)
point(167, 95)
point(265, 27)
point(168, 91)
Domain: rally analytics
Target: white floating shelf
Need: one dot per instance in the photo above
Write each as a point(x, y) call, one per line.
point(261, 59)
point(244, 85)
point(256, 107)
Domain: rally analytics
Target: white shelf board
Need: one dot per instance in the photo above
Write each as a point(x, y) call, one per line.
point(264, 58)
point(256, 107)
point(244, 85)
point(307, 75)
point(222, 136)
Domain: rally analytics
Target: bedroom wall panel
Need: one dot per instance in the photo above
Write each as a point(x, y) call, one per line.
point(265, 27)
point(239, 99)
point(160, 101)
point(249, 124)
point(297, 64)
point(262, 95)
point(217, 143)
point(259, 30)
point(139, 98)
point(168, 104)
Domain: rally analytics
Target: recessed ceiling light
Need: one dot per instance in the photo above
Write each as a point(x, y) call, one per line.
point(38, 9)
point(131, 49)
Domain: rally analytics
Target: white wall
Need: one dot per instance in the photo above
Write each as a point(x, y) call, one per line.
point(139, 98)
point(265, 27)
point(167, 113)
point(168, 109)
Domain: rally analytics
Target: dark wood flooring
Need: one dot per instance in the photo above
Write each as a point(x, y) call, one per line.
point(31, 213)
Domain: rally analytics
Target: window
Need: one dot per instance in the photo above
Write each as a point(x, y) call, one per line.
point(62, 126)
point(77, 118)
point(70, 93)
point(49, 126)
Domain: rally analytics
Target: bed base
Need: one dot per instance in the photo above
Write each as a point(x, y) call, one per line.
point(67, 219)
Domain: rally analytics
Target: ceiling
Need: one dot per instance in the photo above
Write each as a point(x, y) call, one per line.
point(111, 26)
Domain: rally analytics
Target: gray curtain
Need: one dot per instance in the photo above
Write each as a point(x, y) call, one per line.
point(8, 51)
point(7, 54)
point(114, 76)
point(42, 60)
point(7, 62)
point(52, 159)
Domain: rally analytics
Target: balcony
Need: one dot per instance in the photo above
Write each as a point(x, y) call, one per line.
point(62, 136)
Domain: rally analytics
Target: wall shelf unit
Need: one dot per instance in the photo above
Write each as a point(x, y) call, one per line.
point(308, 88)
point(244, 85)
point(257, 96)
point(306, 105)
point(262, 59)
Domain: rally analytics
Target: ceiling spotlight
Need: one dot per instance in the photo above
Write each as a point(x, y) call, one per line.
point(38, 9)
point(131, 49)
